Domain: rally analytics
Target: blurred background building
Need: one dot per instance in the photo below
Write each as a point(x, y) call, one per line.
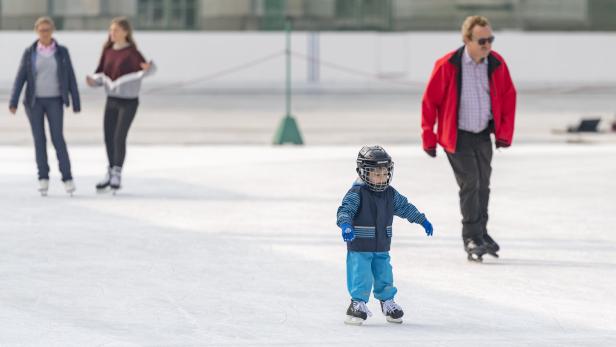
point(312, 15)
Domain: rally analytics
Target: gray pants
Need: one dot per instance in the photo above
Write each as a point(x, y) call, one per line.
point(54, 110)
point(472, 169)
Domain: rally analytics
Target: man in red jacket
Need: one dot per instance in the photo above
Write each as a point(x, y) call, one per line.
point(470, 95)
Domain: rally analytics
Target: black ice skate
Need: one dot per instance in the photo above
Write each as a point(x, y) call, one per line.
point(357, 313)
point(492, 246)
point(475, 248)
point(392, 311)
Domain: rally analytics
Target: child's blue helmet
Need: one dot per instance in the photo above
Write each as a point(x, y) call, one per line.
point(371, 158)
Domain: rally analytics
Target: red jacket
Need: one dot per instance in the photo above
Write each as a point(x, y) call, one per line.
point(440, 101)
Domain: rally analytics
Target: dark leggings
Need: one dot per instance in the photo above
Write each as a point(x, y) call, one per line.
point(119, 115)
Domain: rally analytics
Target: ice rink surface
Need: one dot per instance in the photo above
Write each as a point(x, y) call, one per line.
point(219, 239)
point(237, 246)
point(324, 118)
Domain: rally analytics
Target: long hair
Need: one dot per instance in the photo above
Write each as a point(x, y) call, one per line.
point(123, 23)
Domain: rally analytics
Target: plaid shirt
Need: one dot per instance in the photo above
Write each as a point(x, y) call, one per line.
point(475, 110)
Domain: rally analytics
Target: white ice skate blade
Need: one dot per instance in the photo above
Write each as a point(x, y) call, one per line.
point(350, 320)
point(474, 258)
point(43, 192)
point(394, 320)
point(106, 190)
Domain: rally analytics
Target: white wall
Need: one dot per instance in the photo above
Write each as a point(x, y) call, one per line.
point(533, 58)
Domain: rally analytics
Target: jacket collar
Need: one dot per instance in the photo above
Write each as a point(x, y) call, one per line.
point(456, 59)
point(467, 59)
point(34, 45)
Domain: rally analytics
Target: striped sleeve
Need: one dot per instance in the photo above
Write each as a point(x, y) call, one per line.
point(404, 209)
point(348, 208)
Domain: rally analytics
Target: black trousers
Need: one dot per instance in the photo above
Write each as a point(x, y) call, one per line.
point(471, 164)
point(119, 115)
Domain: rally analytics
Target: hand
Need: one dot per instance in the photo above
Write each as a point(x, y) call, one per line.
point(501, 143)
point(431, 151)
point(427, 227)
point(348, 234)
point(145, 66)
point(90, 81)
point(13, 109)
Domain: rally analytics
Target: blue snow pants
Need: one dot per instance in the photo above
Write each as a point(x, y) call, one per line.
point(367, 268)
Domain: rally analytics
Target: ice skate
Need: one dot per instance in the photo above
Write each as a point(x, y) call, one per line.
point(69, 186)
point(492, 246)
point(43, 186)
point(115, 182)
point(392, 311)
point(357, 313)
point(103, 184)
point(475, 248)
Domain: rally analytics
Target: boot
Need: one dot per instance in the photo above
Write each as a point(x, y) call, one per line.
point(43, 186)
point(116, 178)
point(69, 186)
point(104, 183)
point(357, 313)
point(392, 311)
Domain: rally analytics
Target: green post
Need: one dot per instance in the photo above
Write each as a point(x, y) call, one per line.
point(287, 30)
point(288, 131)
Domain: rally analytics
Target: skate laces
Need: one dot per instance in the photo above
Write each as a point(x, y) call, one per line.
point(390, 306)
point(361, 306)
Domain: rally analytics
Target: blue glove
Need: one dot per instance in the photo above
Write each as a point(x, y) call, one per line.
point(428, 227)
point(348, 234)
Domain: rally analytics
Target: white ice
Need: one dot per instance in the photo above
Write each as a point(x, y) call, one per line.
point(237, 246)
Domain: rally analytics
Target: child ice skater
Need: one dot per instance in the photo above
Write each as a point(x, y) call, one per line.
point(366, 217)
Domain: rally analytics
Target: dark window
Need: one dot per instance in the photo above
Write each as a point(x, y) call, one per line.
point(347, 8)
point(363, 14)
point(167, 14)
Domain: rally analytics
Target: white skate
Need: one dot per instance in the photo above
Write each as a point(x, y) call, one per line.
point(43, 186)
point(69, 186)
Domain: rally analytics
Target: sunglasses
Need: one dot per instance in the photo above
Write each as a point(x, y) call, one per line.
point(485, 40)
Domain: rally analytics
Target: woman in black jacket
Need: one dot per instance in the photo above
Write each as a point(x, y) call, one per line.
point(47, 71)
